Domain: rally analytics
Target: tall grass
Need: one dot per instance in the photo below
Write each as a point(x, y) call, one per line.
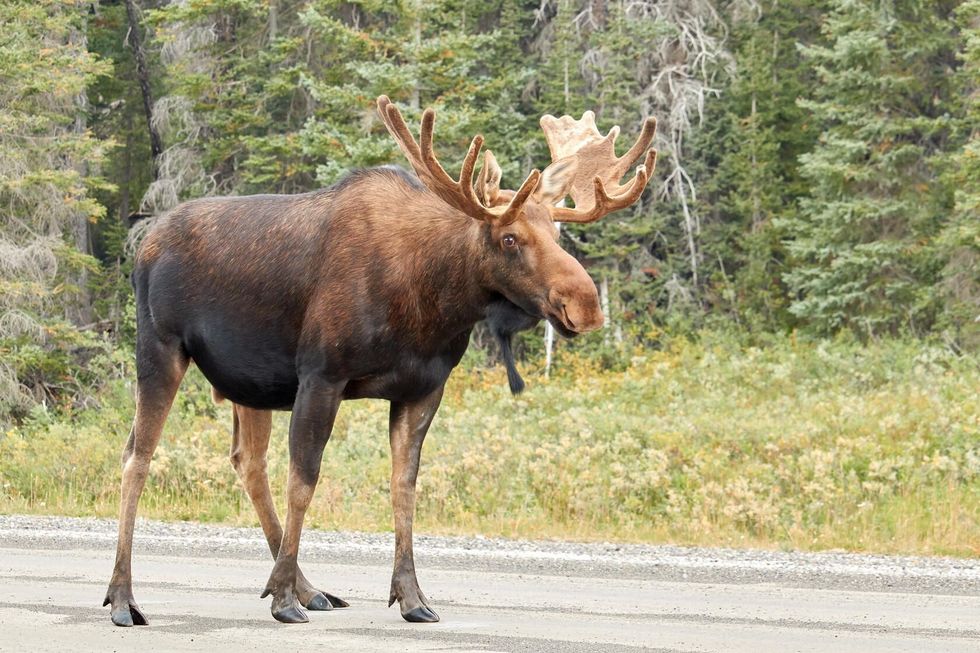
point(795, 445)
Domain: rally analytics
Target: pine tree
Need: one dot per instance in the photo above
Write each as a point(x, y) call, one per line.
point(460, 57)
point(861, 239)
point(265, 97)
point(959, 242)
point(749, 148)
point(48, 173)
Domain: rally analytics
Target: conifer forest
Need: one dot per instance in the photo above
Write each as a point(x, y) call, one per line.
point(811, 235)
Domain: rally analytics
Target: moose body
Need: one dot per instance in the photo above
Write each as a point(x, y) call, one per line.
point(367, 289)
point(259, 289)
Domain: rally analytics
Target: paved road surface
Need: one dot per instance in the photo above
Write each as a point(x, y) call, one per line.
point(199, 586)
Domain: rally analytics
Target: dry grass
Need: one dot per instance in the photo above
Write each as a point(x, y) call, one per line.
point(796, 446)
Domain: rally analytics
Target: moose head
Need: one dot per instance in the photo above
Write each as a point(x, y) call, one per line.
point(520, 252)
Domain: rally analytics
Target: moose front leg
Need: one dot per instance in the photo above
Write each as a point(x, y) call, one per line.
point(309, 429)
point(408, 424)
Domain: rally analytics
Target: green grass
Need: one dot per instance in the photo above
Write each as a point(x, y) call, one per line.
point(796, 445)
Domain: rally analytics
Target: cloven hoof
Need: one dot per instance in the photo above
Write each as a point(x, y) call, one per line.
point(335, 601)
point(128, 615)
point(291, 615)
point(319, 603)
point(420, 615)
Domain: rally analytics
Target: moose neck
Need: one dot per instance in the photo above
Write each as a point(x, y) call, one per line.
point(439, 289)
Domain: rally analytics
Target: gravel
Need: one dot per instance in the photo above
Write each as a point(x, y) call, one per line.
point(825, 570)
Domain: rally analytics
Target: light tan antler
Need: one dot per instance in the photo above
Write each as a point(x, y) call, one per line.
point(458, 194)
point(595, 187)
point(488, 183)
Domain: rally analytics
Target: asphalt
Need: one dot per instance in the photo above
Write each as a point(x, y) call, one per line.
point(199, 587)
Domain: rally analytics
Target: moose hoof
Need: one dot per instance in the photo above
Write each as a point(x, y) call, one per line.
point(290, 615)
point(420, 615)
point(128, 615)
point(336, 601)
point(319, 603)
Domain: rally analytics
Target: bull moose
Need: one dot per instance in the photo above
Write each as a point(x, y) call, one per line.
point(366, 289)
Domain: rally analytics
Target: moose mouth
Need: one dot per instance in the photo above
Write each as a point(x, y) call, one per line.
point(561, 322)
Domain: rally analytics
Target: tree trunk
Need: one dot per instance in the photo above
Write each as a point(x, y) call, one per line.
point(80, 310)
point(143, 75)
point(127, 169)
point(415, 101)
point(273, 20)
point(599, 12)
point(604, 302)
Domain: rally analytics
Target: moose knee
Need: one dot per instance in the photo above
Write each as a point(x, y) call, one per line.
point(238, 459)
point(129, 448)
point(247, 464)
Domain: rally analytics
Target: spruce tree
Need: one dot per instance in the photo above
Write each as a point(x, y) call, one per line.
point(861, 240)
point(49, 164)
point(749, 148)
point(959, 242)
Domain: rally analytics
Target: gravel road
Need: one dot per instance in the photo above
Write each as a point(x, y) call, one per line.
point(199, 586)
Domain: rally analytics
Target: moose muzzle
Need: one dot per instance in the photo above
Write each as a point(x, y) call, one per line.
point(574, 304)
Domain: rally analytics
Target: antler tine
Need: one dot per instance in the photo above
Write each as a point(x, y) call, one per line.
point(517, 202)
point(459, 194)
point(605, 204)
point(465, 183)
point(428, 156)
point(598, 163)
point(643, 141)
point(649, 162)
point(395, 123)
point(468, 168)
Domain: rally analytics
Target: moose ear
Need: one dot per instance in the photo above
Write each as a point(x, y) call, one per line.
point(488, 183)
point(555, 180)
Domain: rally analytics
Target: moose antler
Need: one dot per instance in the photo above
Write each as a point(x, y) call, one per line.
point(458, 194)
point(595, 187)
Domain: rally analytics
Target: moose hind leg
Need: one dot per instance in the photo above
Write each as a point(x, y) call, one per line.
point(408, 424)
point(160, 368)
point(250, 442)
point(314, 411)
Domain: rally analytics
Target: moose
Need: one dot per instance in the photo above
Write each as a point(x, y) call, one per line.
point(366, 289)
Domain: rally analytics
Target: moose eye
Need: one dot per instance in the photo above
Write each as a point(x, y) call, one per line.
point(509, 240)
